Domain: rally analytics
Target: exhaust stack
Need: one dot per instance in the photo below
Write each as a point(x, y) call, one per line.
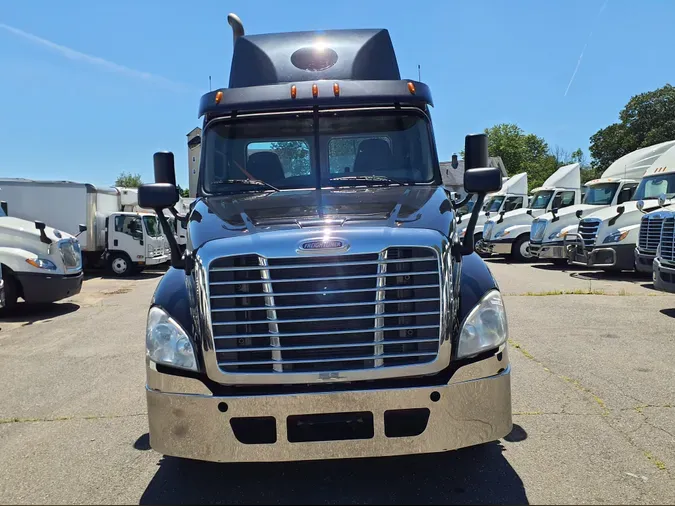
point(237, 26)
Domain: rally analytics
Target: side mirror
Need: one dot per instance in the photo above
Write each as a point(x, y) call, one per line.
point(483, 180)
point(3, 205)
point(83, 228)
point(619, 212)
point(579, 213)
point(165, 168)
point(662, 200)
point(43, 237)
point(529, 211)
point(157, 196)
point(640, 205)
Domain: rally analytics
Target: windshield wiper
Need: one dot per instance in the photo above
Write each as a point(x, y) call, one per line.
point(385, 179)
point(253, 182)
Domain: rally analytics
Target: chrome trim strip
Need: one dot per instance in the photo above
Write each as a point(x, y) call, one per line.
point(340, 264)
point(378, 350)
point(378, 316)
point(331, 332)
point(355, 290)
point(331, 278)
point(271, 316)
point(319, 306)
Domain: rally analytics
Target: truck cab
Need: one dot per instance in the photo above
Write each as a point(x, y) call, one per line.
point(324, 306)
point(133, 242)
point(512, 196)
point(615, 187)
point(607, 238)
point(509, 233)
point(663, 267)
point(38, 263)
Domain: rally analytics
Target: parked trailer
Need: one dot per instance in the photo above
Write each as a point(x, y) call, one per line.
point(606, 239)
point(510, 233)
point(323, 310)
point(37, 263)
point(615, 187)
point(124, 241)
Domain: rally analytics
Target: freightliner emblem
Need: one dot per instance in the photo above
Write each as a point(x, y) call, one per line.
point(321, 245)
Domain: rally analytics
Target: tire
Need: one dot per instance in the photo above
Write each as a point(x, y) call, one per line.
point(520, 249)
point(120, 265)
point(11, 292)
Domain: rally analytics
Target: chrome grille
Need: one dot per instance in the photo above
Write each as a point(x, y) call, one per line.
point(650, 233)
point(487, 230)
point(588, 231)
point(537, 230)
point(668, 239)
point(70, 254)
point(324, 314)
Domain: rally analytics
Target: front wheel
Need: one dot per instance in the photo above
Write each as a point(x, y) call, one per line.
point(120, 264)
point(520, 250)
point(11, 292)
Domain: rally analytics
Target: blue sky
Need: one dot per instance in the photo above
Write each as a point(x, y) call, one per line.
point(89, 89)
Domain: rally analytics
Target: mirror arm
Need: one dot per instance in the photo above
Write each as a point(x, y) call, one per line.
point(467, 244)
point(463, 202)
point(177, 260)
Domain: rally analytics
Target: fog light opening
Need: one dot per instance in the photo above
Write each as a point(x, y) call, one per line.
point(222, 407)
point(435, 397)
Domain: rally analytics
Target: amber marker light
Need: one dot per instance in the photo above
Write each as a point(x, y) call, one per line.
point(294, 91)
point(336, 89)
point(219, 97)
point(411, 88)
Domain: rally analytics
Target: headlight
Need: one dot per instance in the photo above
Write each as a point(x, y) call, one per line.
point(503, 233)
point(615, 236)
point(41, 263)
point(557, 235)
point(485, 328)
point(167, 343)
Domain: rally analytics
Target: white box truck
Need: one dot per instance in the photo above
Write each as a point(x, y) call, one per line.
point(126, 242)
point(606, 239)
point(615, 187)
point(37, 263)
point(509, 234)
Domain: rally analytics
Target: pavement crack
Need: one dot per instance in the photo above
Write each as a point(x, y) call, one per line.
point(67, 418)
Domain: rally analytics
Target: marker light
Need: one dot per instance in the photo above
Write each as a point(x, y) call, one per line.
point(411, 88)
point(219, 97)
point(336, 89)
point(315, 90)
point(294, 91)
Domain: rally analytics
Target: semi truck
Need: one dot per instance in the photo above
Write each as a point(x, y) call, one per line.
point(324, 306)
point(509, 233)
point(125, 242)
point(513, 195)
point(663, 266)
point(615, 186)
point(607, 239)
point(39, 264)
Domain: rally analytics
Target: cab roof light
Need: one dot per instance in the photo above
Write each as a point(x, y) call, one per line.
point(294, 91)
point(315, 90)
point(219, 97)
point(336, 89)
point(411, 87)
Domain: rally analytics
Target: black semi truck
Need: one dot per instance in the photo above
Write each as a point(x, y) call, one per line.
point(324, 305)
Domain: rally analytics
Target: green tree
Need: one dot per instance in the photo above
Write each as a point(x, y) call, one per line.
point(128, 180)
point(182, 192)
point(647, 119)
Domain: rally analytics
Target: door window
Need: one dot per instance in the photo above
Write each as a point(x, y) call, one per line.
point(130, 225)
point(627, 192)
point(563, 199)
point(513, 203)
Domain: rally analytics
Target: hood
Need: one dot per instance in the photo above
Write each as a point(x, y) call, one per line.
point(253, 213)
point(609, 212)
point(24, 229)
point(571, 211)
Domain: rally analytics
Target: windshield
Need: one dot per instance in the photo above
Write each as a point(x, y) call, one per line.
point(600, 194)
point(493, 204)
point(653, 186)
point(151, 226)
point(387, 147)
point(541, 199)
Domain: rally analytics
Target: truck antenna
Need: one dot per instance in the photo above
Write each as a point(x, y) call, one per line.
point(237, 26)
point(209, 83)
point(419, 73)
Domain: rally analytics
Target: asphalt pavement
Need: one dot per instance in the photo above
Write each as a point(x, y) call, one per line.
point(593, 399)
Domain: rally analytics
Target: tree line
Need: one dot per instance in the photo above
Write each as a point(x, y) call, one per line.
point(647, 119)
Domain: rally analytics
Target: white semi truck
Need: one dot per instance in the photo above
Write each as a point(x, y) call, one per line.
point(607, 239)
point(37, 263)
point(615, 187)
point(513, 195)
point(126, 242)
point(509, 234)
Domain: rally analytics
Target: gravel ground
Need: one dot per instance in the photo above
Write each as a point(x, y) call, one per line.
point(593, 399)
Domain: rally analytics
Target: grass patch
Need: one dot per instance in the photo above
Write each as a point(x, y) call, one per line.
point(658, 463)
point(564, 292)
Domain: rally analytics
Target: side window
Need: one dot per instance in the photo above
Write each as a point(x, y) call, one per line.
point(277, 160)
point(626, 193)
point(130, 225)
point(563, 199)
point(513, 203)
point(342, 152)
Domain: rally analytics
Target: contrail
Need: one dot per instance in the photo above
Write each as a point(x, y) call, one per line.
point(581, 56)
point(109, 66)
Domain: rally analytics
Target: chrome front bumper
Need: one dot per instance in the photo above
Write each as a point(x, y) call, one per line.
point(548, 250)
point(663, 276)
point(493, 247)
point(643, 261)
point(187, 420)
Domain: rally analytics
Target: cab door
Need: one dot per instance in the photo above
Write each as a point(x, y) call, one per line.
point(127, 236)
